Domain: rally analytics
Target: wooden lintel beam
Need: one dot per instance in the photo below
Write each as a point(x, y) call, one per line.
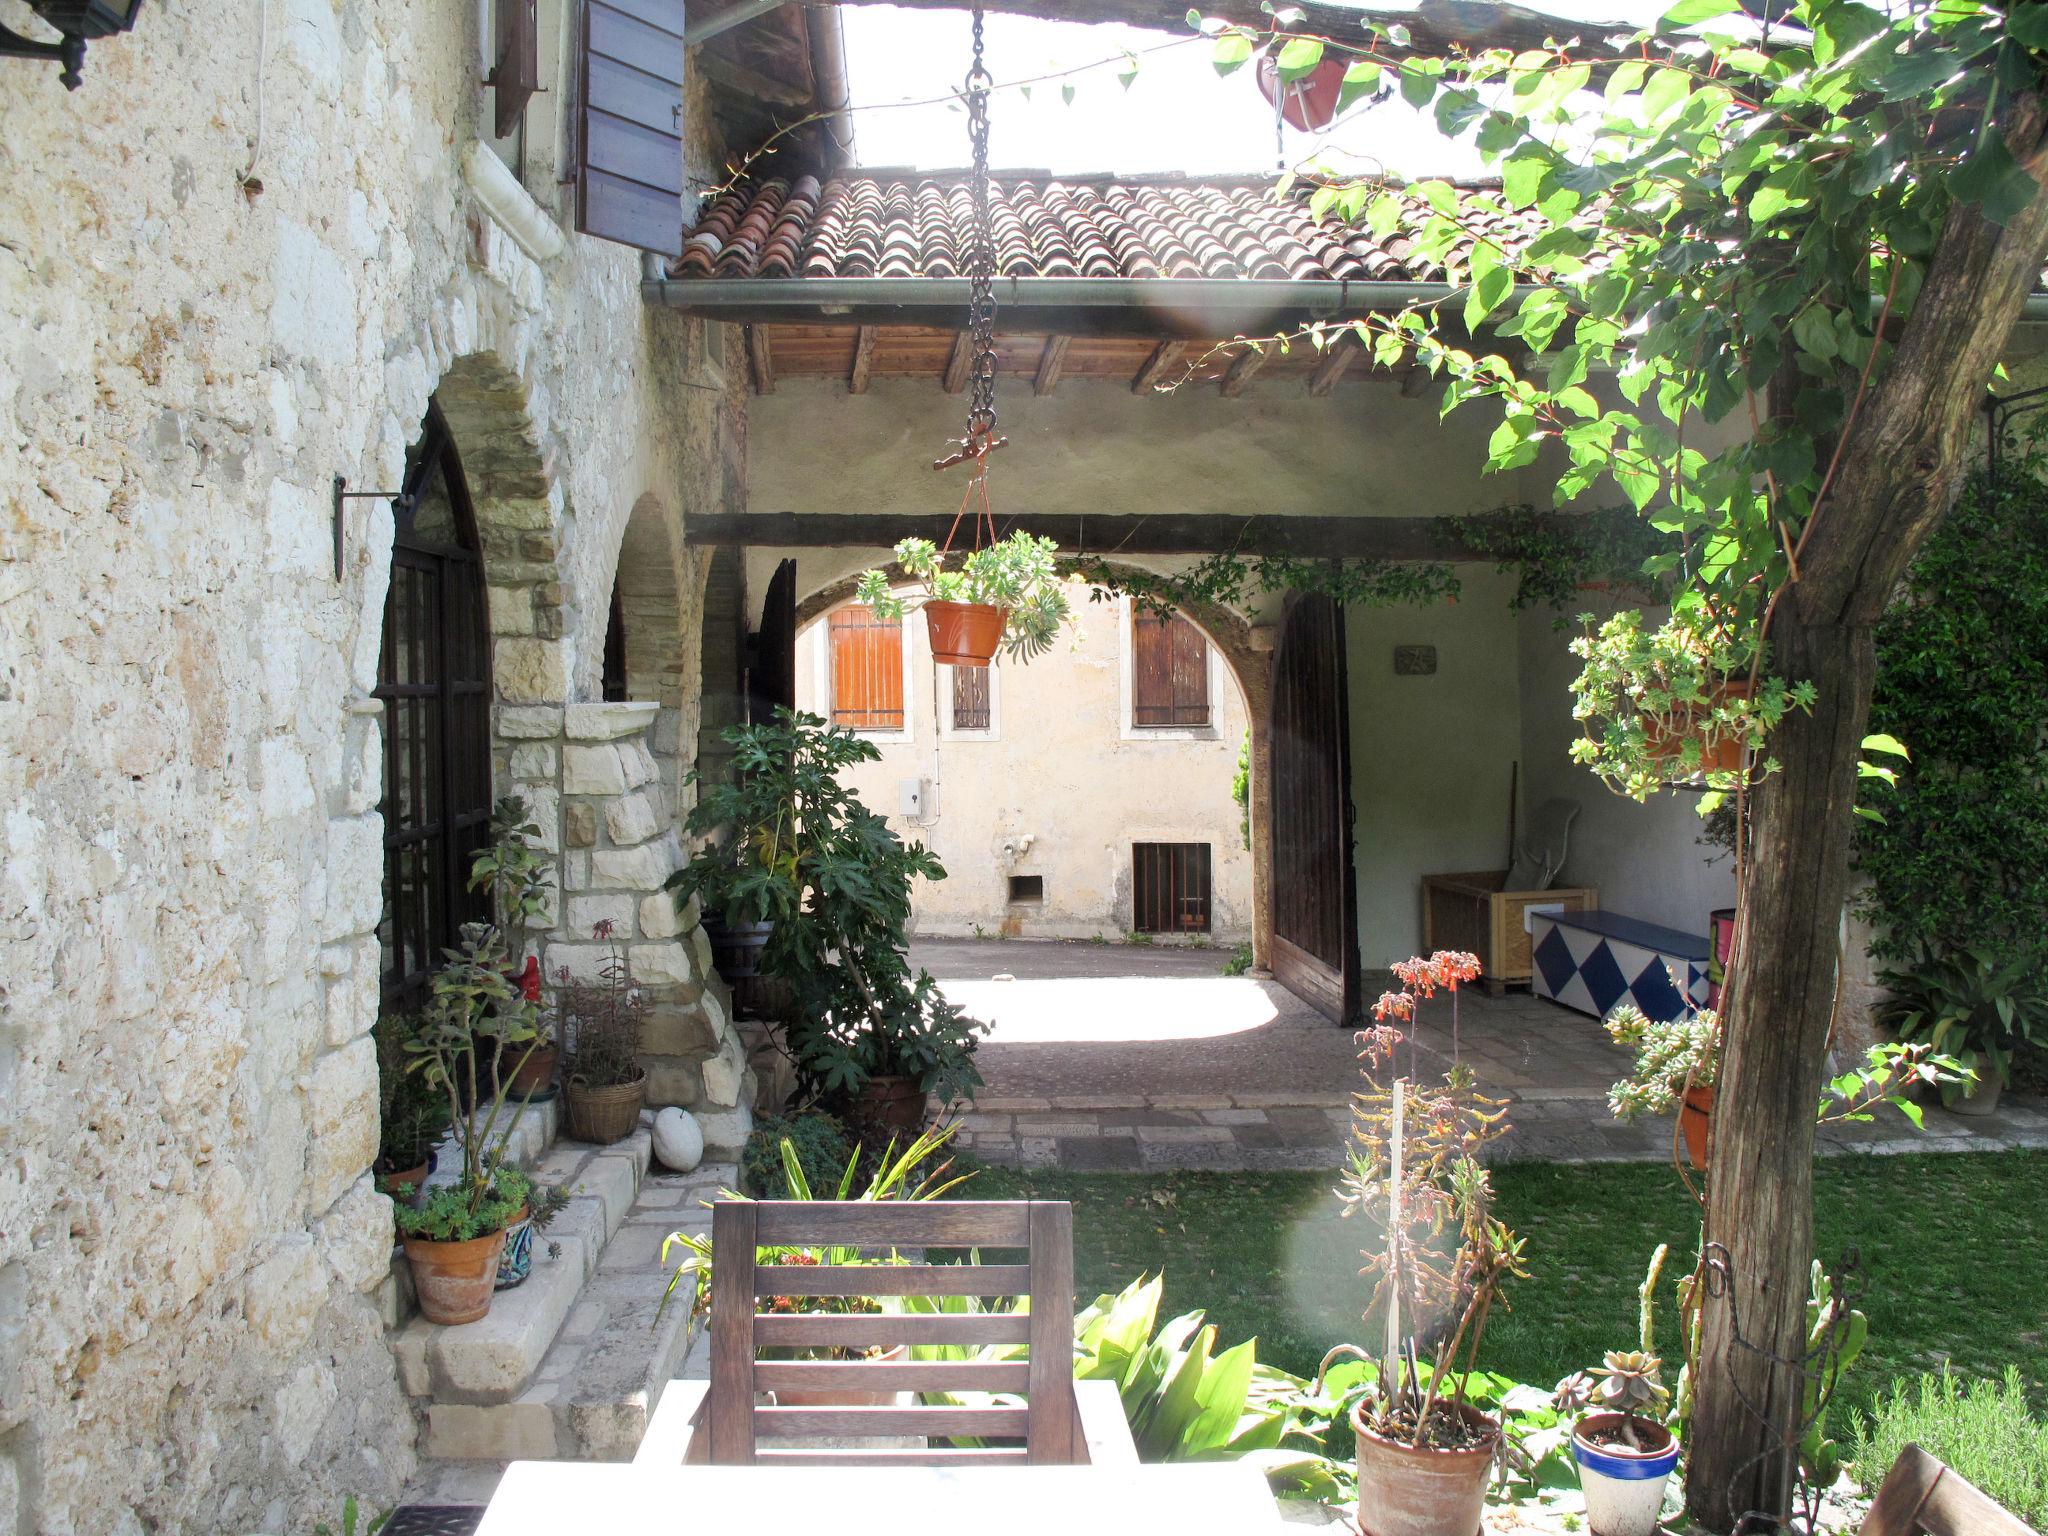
point(959, 362)
point(863, 360)
point(1343, 352)
point(1049, 362)
point(1167, 355)
point(761, 359)
point(1243, 368)
point(1361, 537)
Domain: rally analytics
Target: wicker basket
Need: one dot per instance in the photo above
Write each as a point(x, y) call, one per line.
point(605, 1114)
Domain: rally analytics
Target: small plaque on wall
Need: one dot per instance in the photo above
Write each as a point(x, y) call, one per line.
point(1414, 660)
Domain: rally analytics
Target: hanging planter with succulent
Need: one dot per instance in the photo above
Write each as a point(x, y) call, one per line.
point(1000, 594)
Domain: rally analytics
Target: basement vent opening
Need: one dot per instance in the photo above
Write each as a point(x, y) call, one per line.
point(1027, 888)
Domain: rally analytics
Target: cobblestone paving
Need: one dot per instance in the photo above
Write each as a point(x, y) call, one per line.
point(1120, 1057)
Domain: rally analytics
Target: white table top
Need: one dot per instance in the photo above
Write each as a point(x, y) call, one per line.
point(547, 1498)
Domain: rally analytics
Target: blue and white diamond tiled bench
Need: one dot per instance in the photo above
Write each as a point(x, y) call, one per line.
point(1592, 960)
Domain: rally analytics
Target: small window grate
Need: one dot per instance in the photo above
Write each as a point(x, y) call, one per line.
point(1170, 887)
point(970, 698)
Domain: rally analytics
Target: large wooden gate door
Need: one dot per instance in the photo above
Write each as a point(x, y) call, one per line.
point(1315, 898)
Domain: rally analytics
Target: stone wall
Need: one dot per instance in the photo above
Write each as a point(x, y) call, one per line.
point(201, 323)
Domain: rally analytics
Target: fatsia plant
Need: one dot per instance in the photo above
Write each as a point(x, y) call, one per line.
point(1759, 277)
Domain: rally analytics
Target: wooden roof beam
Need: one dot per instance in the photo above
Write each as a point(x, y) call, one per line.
point(1342, 353)
point(959, 363)
point(761, 359)
point(863, 361)
point(1049, 362)
point(1243, 368)
point(1167, 354)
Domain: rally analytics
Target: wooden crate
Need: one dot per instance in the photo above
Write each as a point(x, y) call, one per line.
point(1473, 912)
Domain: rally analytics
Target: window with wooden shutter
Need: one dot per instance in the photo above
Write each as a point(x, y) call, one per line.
point(970, 698)
point(867, 670)
point(1169, 671)
point(515, 63)
point(629, 152)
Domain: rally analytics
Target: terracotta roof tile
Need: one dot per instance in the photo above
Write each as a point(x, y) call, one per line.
point(908, 225)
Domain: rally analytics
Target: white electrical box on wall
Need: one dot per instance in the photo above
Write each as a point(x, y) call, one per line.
point(911, 798)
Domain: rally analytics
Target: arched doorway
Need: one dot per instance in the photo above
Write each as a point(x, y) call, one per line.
point(434, 679)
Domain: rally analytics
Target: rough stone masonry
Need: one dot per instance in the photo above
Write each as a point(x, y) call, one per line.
point(200, 325)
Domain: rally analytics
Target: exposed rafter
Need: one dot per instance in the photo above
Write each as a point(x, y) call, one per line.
point(959, 363)
point(1243, 368)
point(1344, 351)
point(1165, 357)
point(762, 361)
point(863, 361)
point(1049, 362)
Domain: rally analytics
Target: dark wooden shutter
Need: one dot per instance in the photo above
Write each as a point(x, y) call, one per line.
point(629, 162)
point(515, 74)
point(1315, 897)
point(771, 650)
point(970, 698)
point(867, 670)
point(1169, 671)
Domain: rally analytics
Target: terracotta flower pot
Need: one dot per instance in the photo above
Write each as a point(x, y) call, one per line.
point(1311, 101)
point(1403, 1491)
point(605, 1114)
point(893, 1102)
point(1723, 755)
point(1624, 1487)
point(965, 634)
point(845, 1397)
point(1695, 1119)
point(455, 1280)
point(534, 1078)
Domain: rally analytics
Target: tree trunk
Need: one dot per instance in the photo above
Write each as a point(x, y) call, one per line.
point(1760, 1195)
point(1902, 462)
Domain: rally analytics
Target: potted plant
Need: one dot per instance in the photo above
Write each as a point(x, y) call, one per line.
point(1438, 1268)
point(411, 1114)
point(898, 1176)
point(1972, 1006)
point(1674, 1071)
point(533, 1080)
point(1623, 1450)
point(1005, 596)
point(789, 844)
point(544, 1202)
point(606, 1084)
point(1673, 705)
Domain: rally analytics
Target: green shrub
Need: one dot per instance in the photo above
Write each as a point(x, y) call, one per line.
point(819, 1141)
point(1984, 1430)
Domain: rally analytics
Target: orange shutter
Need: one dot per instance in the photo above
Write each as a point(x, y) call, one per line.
point(1169, 671)
point(867, 670)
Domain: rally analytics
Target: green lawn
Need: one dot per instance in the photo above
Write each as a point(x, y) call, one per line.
point(1954, 1253)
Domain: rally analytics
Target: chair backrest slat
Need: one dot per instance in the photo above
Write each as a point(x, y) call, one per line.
point(1922, 1497)
point(891, 1279)
point(1040, 1428)
point(900, 1223)
point(781, 1329)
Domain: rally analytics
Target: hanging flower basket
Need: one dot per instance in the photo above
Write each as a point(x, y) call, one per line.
point(965, 634)
point(1309, 103)
point(1720, 749)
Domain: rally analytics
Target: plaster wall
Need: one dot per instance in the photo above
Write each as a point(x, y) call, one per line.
point(1062, 767)
point(191, 1250)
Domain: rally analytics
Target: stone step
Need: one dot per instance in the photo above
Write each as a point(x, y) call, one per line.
point(589, 1397)
point(493, 1360)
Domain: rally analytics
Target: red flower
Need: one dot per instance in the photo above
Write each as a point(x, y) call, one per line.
point(1394, 1005)
point(1452, 966)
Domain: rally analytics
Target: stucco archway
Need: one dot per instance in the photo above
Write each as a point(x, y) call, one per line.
point(1245, 649)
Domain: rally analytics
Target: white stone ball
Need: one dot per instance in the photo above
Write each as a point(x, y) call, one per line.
point(678, 1143)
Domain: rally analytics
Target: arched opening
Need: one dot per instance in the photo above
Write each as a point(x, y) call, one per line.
point(644, 649)
point(435, 683)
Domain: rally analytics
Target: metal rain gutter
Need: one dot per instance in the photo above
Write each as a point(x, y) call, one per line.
point(827, 295)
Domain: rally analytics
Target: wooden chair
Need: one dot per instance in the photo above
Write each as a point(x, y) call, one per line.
point(1922, 1497)
point(724, 1421)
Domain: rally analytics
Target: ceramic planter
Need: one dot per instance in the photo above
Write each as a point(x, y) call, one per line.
point(1624, 1488)
point(455, 1280)
point(1403, 1491)
point(893, 1102)
point(605, 1114)
point(965, 634)
point(1695, 1120)
point(1982, 1098)
point(1723, 755)
point(736, 947)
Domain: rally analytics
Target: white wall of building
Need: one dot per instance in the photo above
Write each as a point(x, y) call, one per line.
point(1061, 766)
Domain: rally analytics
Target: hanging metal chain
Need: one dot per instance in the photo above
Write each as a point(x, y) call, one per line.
point(981, 258)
